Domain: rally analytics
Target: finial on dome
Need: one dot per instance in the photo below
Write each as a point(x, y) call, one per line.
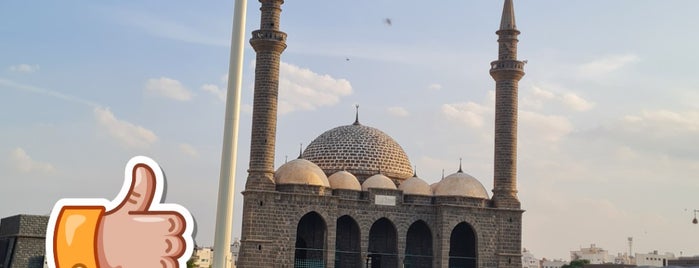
point(300, 150)
point(356, 114)
point(460, 170)
point(442, 173)
point(286, 159)
point(415, 171)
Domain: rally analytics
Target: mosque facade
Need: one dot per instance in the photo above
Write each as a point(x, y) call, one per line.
point(352, 198)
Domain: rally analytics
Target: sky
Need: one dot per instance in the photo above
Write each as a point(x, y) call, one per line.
point(608, 119)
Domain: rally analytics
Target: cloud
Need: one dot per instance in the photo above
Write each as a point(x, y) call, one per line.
point(24, 68)
point(47, 92)
point(188, 149)
point(538, 96)
point(398, 111)
point(434, 86)
point(660, 131)
point(303, 89)
point(126, 133)
point(169, 88)
point(550, 128)
point(542, 94)
point(25, 164)
point(167, 28)
point(608, 64)
point(470, 113)
point(576, 102)
point(215, 90)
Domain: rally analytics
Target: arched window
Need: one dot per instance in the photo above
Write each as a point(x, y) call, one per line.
point(347, 244)
point(310, 242)
point(418, 248)
point(462, 247)
point(383, 248)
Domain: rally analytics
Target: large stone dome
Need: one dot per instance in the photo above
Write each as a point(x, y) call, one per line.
point(360, 150)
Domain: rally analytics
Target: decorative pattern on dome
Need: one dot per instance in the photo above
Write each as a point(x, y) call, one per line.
point(360, 150)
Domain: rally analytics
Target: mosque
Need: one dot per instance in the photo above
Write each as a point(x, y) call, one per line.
point(352, 198)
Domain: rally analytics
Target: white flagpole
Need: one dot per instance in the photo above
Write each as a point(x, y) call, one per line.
point(229, 153)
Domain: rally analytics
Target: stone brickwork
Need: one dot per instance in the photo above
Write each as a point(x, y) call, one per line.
point(277, 214)
point(360, 150)
point(23, 239)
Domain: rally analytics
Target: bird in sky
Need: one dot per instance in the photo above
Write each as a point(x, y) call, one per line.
point(388, 21)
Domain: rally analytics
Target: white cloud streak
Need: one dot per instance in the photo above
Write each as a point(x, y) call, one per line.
point(470, 113)
point(398, 111)
point(434, 86)
point(24, 68)
point(165, 28)
point(25, 164)
point(169, 88)
point(607, 64)
point(538, 97)
point(189, 150)
point(215, 90)
point(47, 92)
point(303, 89)
point(127, 133)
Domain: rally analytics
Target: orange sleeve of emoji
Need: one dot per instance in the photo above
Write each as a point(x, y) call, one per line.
point(76, 236)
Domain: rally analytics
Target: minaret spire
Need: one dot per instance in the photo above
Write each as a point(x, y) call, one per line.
point(506, 71)
point(508, 17)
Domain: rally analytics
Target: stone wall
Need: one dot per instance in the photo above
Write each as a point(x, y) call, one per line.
point(271, 219)
point(25, 236)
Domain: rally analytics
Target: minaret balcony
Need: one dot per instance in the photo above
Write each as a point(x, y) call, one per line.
point(269, 35)
point(512, 65)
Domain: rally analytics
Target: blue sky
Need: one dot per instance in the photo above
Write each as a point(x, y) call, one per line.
point(608, 108)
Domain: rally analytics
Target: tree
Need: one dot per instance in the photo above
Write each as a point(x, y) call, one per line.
point(576, 264)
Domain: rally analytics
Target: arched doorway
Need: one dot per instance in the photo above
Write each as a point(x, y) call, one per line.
point(347, 244)
point(310, 242)
point(383, 248)
point(418, 248)
point(462, 247)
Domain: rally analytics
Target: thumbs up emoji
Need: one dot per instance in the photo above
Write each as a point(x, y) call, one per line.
point(134, 230)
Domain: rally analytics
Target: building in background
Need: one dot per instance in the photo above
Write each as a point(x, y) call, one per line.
point(529, 261)
point(22, 241)
point(352, 198)
point(552, 263)
point(593, 254)
point(654, 259)
point(202, 257)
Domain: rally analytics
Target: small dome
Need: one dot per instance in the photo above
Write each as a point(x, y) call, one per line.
point(460, 184)
point(378, 181)
point(415, 186)
point(301, 171)
point(344, 180)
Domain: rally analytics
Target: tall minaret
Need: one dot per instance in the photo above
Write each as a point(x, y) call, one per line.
point(268, 43)
point(507, 71)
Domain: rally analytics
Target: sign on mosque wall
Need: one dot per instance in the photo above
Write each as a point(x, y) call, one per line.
point(385, 200)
